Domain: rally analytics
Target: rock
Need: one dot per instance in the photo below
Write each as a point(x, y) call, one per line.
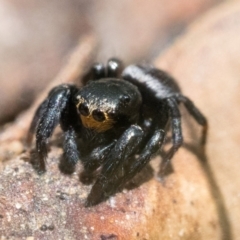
point(206, 61)
point(51, 206)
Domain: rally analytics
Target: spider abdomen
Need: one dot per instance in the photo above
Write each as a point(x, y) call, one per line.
point(151, 82)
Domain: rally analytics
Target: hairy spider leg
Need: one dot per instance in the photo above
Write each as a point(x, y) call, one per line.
point(177, 138)
point(151, 148)
point(70, 151)
point(113, 167)
point(158, 85)
point(94, 160)
point(58, 99)
point(70, 124)
point(198, 116)
point(39, 112)
point(97, 157)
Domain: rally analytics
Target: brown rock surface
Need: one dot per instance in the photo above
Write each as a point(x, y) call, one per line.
point(206, 62)
point(52, 206)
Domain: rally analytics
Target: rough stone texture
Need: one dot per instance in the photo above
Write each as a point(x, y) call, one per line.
point(206, 62)
point(51, 206)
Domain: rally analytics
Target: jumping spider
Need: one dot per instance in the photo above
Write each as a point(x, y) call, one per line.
point(115, 123)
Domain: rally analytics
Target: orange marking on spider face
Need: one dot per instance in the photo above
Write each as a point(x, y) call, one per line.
point(91, 123)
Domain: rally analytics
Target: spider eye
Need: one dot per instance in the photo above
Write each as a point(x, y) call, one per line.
point(98, 115)
point(125, 99)
point(83, 109)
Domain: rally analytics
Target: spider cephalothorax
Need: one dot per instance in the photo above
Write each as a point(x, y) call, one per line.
point(106, 102)
point(115, 123)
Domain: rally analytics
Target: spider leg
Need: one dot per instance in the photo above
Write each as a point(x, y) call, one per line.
point(198, 116)
point(98, 71)
point(114, 68)
point(177, 137)
point(70, 151)
point(39, 112)
point(58, 100)
point(69, 122)
point(113, 168)
point(136, 165)
point(94, 160)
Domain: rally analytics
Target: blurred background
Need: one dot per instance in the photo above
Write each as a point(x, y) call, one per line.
point(37, 36)
point(196, 41)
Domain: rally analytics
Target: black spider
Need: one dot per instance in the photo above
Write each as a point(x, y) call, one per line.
point(115, 123)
